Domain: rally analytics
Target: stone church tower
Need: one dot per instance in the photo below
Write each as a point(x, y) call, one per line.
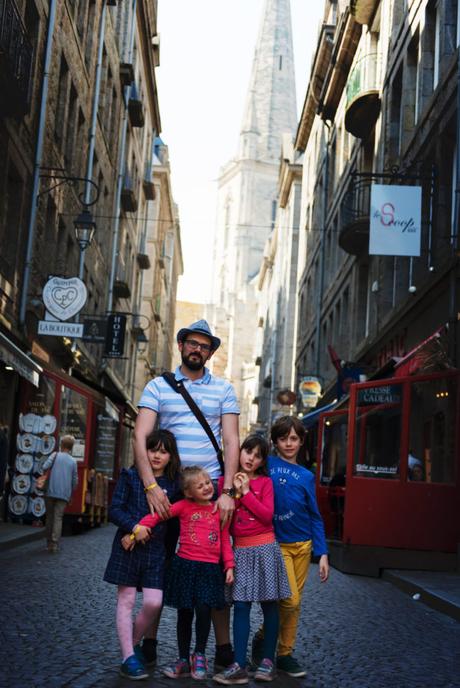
point(247, 196)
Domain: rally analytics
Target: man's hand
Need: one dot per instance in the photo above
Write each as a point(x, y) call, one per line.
point(226, 506)
point(323, 568)
point(229, 577)
point(158, 502)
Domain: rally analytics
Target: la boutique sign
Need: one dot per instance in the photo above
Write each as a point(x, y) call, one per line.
point(395, 220)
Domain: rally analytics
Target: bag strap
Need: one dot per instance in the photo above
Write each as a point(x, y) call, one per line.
point(179, 387)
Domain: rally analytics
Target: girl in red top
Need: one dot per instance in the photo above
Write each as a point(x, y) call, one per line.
point(260, 574)
point(195, 583)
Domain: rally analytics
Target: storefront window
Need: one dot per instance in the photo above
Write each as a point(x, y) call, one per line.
point(432, 433)
point(334, 450)
point(378, 431)
point(74, 412)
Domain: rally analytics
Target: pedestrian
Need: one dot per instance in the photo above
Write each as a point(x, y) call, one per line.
point(142, 568)
point(195, 582)
point(298, 525)
point(260, 574)
point(217, 402)
point(62, 480)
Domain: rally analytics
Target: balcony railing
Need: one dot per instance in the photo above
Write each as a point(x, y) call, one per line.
point(15, 61)
point(128, 194)
point(354, 214)
point(135, 108)
point(363, 95)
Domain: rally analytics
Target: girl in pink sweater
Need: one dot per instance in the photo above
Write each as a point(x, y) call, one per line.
point(195, 582)
point(260, 574)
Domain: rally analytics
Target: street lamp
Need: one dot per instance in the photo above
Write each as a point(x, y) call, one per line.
point(85, 227)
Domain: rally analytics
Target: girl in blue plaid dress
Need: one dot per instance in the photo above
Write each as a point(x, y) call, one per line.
point(143, 567)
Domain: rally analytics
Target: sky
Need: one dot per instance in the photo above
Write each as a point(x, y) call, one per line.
point(206, 52)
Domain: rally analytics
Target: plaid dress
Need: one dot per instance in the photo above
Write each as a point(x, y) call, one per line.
point(143, 567)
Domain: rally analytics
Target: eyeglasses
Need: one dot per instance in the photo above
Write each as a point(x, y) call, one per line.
point(193, 344)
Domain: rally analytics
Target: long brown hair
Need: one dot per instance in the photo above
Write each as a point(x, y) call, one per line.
point(165, 439)
point(253, 441)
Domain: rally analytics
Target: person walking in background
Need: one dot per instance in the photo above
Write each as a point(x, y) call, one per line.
point(260, 574)
point(142, 568)
point(62, 481)
point(298, 526)
point(217, 402)
point(195, 579)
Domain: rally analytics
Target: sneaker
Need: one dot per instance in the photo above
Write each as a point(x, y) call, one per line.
point(224, 657)
point(233, 674)
point(139, 654)
point(149, 650)
point(133, 669)
point(180, 668)
point(266, 671)
point(290, 666)
point(257, 651)
point(199, 666)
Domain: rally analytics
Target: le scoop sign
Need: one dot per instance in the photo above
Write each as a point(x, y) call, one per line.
point(395, 220)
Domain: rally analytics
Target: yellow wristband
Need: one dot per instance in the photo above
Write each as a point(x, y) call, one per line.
point(132, 536)
point(152, 486)
point(136, 529)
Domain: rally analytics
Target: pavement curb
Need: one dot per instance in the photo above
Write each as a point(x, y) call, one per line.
point(17, 539)
point(430, 598)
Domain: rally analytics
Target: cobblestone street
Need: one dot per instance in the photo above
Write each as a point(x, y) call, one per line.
point(58, 627)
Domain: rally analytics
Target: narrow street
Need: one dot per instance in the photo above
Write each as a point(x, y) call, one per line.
point(58, 627)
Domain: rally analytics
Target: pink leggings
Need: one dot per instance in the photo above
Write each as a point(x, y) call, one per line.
point(128, 634)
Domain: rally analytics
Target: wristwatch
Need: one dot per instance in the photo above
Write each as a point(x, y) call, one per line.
point(230, 491)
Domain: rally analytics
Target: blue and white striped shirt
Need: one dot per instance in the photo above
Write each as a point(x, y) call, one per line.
point(214, 396)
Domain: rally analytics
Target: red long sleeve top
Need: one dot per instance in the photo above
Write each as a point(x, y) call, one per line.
point(254, 511)
point(201, 536)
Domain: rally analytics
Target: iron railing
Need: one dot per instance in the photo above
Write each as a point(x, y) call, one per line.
point(16, 48)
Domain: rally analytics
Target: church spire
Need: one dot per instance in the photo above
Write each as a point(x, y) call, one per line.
point(271, 102)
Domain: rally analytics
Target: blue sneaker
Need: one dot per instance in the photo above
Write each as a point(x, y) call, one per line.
point(139, 654)
point(133, 669)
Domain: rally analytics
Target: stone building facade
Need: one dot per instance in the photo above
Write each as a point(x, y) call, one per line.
point(78, 132)
point(381, 108)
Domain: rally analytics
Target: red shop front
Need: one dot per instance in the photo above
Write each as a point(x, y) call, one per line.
point(388, 474)
point(63, 405)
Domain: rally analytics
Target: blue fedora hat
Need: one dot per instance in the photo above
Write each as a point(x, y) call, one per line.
point(200, 327)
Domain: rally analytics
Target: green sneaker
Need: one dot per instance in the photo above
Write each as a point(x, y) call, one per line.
point(257, 650)
point(290, 666)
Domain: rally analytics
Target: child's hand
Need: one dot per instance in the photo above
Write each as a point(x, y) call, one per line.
point(229, 577)
point(127, 543)
point(242, 481)
point(142, 533)
point(324, 568)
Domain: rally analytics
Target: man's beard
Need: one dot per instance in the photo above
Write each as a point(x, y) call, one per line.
point(193, 364)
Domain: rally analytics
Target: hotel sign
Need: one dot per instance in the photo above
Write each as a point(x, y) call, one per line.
point(395, 220)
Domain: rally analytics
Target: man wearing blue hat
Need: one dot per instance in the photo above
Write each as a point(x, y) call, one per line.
point(217, 401)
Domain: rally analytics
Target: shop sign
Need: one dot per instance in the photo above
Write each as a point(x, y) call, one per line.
point(17, 359)
point(64, 298)
point(395, 220)
point(60, 329)
point(286, 397)
point(95, 330)
point(115, 341)
point(106, 442)
point(310, 391)
point(386, 394)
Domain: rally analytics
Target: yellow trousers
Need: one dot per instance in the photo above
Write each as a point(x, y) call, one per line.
point(297, 556)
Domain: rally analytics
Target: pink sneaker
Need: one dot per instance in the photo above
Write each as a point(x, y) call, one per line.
point(199, 666)
point(180, 668)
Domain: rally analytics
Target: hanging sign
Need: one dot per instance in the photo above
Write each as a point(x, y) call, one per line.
point(64, 298)
point(115, 341)
point(395, 220)
point(95, 330)
point(310, 391)
point(60, 329)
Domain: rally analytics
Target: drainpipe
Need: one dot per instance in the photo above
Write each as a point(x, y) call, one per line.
point(453, 305)
point(320, 290)
point(37, 165)
point(121, 169)
point(92, 133)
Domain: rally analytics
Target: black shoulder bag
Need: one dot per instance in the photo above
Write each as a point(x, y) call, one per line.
point(179, 387)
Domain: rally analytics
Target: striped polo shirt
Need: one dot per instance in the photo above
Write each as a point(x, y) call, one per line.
point(213, 395)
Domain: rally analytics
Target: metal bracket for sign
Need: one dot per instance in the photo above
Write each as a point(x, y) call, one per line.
point(395, 174)
point(61, 177)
